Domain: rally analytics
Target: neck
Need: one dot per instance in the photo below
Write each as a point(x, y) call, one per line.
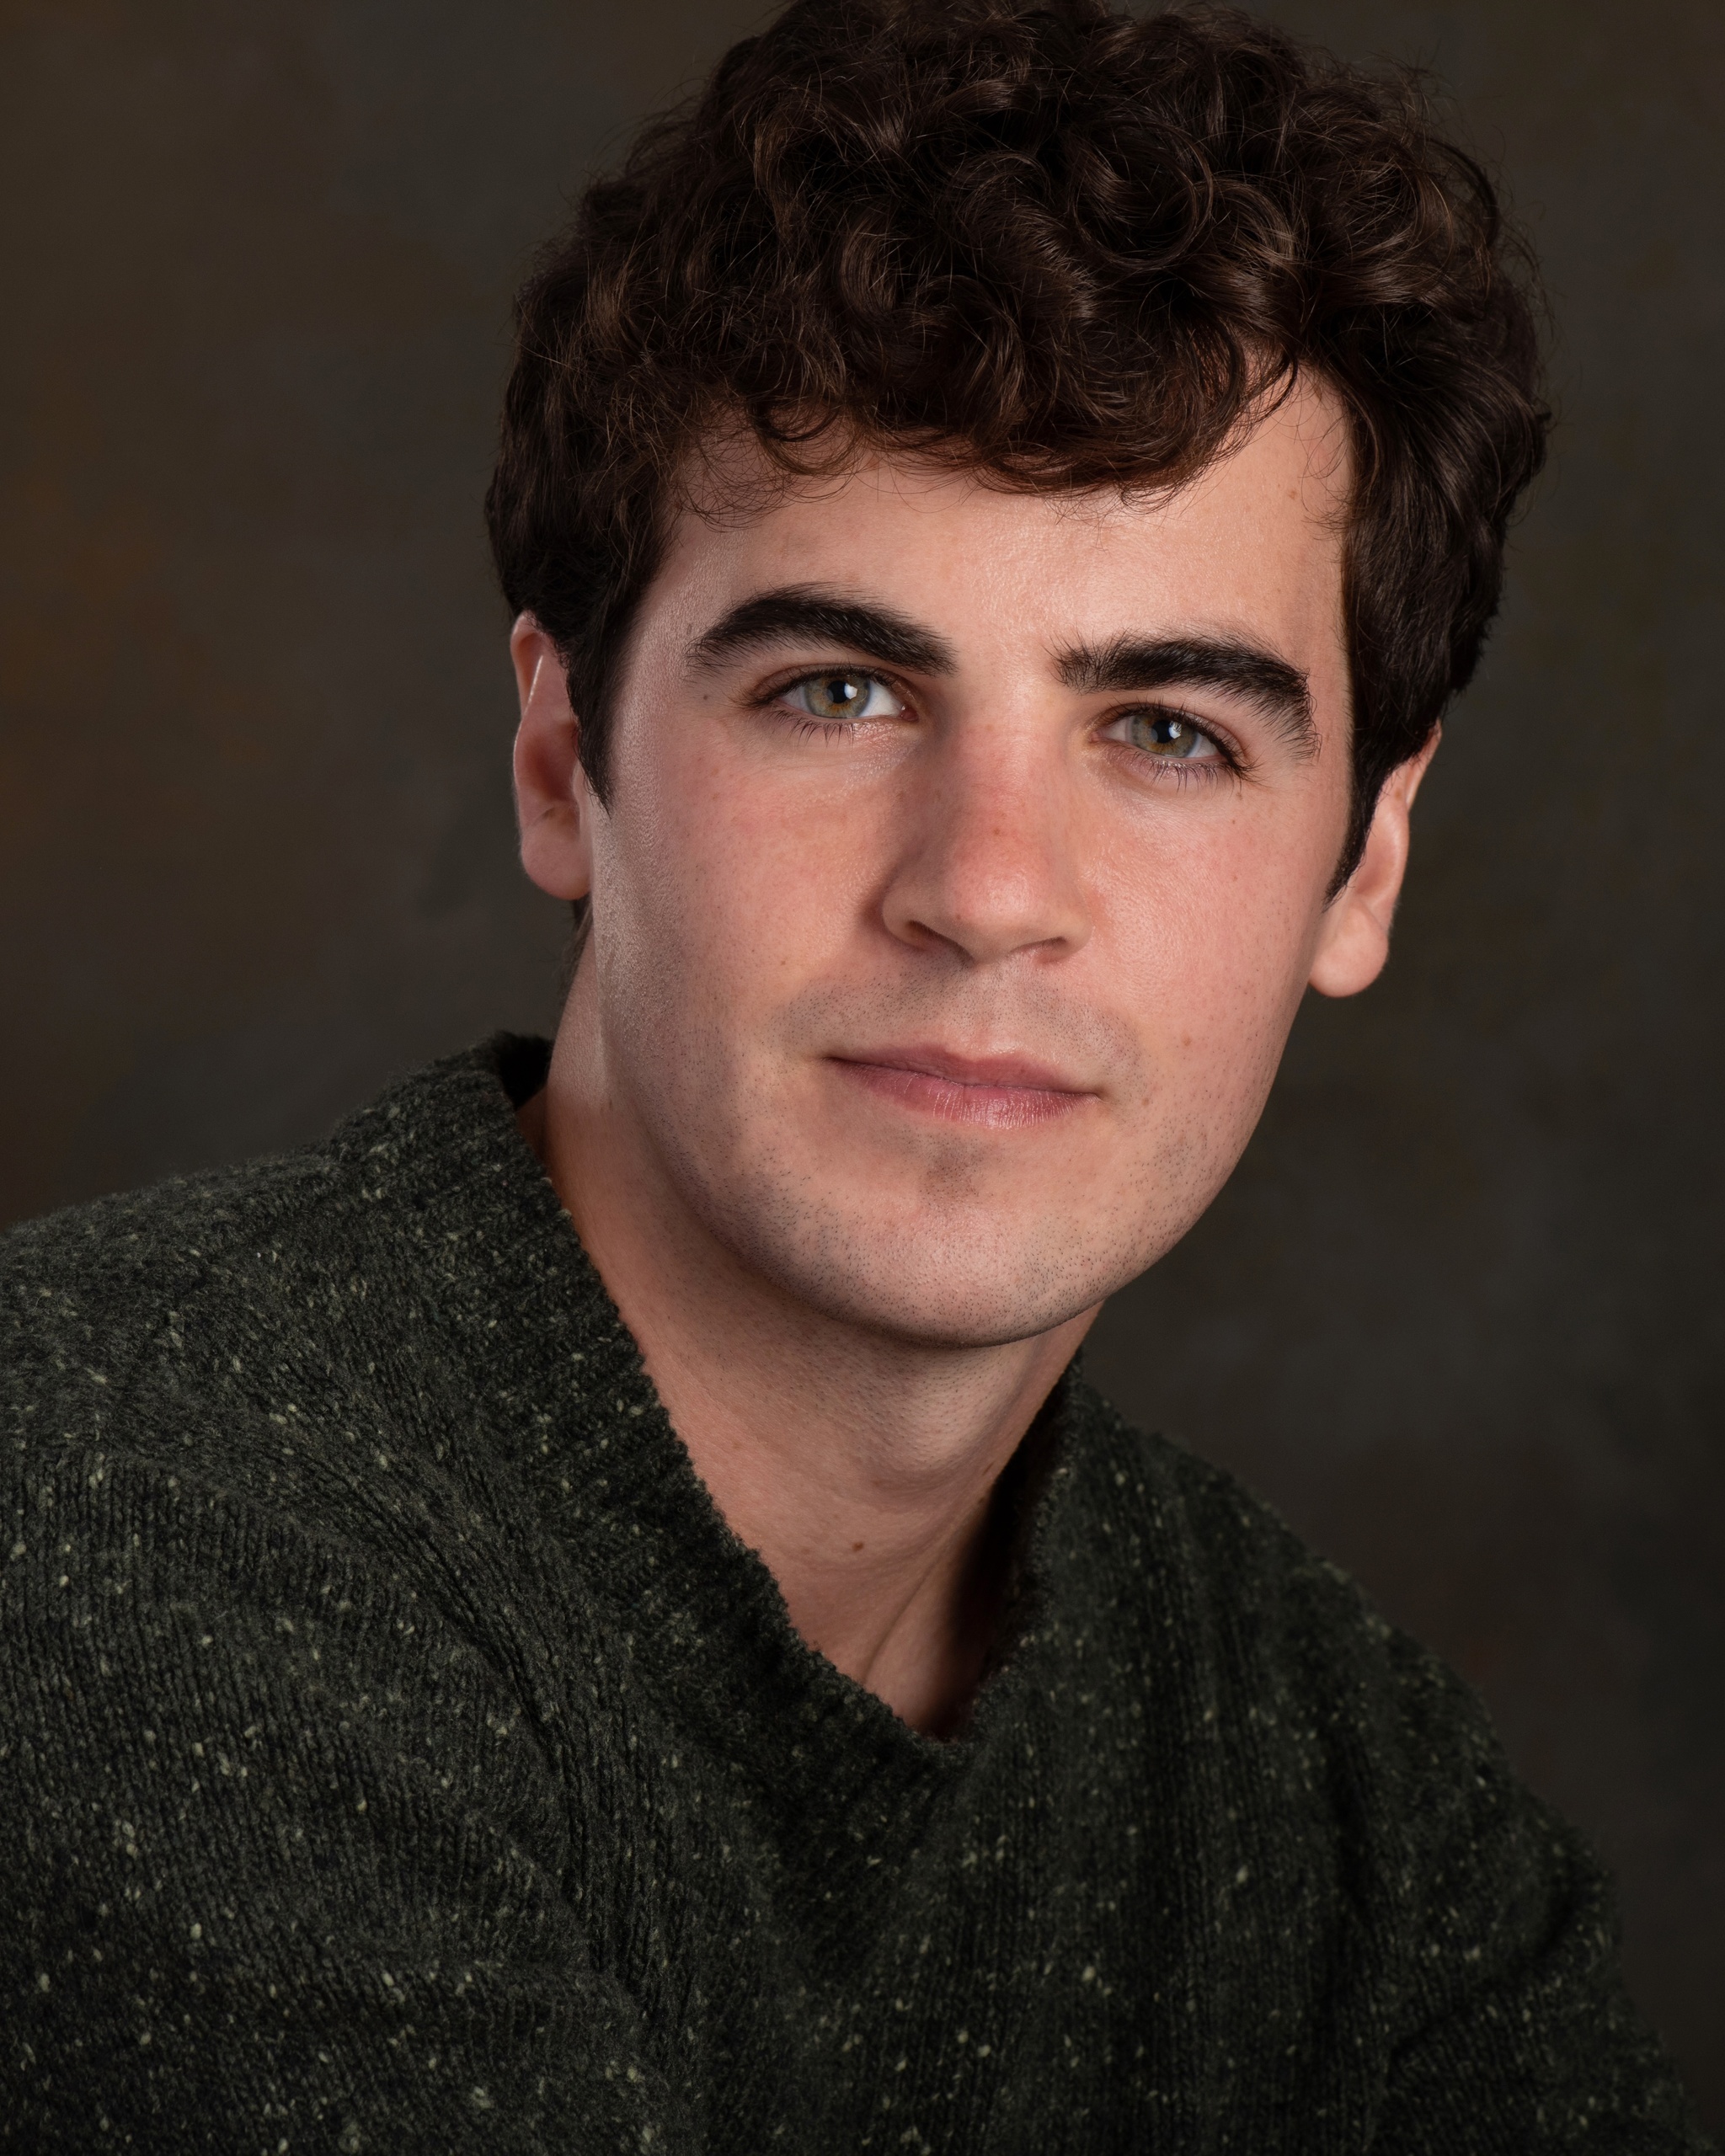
point(860, 1466)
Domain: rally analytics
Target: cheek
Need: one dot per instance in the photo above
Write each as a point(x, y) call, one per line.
point(1214, 934)
point(731, 886)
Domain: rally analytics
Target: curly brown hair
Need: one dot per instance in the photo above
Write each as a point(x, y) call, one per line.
point(1058, 246)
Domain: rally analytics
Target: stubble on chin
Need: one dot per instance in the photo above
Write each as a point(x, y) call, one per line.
point(907, 1228)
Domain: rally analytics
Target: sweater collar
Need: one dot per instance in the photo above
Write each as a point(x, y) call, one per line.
point(558, 1383)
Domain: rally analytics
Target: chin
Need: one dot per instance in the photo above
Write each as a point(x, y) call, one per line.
point(956, 1314)
point(957, 1250)
point(980, 1289)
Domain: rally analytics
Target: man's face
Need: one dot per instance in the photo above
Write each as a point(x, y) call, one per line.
point(965, 861)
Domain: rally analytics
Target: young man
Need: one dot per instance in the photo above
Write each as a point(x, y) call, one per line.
point(594, 1612)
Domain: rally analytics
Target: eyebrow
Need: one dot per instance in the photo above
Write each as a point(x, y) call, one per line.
point(808, 613)
point(1246, 671)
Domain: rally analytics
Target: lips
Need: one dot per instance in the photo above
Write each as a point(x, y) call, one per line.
point(998, 1092)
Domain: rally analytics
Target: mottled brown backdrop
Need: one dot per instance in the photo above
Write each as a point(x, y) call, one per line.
point(1460, 1312)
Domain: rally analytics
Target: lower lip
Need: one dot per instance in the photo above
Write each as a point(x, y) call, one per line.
point(994, 1108)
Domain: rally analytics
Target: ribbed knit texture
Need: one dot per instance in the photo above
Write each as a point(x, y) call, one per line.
point(398, 1753)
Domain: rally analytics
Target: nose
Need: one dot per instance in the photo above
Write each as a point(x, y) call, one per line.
point(988, 866)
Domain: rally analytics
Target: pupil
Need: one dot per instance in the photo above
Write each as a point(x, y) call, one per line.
point(840, 690)
point(1168, 733)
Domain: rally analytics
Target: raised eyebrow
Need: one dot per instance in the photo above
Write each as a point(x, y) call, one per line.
point(1270, 684)
point(802, 613)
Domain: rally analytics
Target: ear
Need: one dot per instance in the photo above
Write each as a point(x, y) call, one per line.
point(554, 803)
point(1354, 940)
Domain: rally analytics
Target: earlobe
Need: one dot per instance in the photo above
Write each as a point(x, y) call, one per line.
point(553, 801)
point(1353, 939)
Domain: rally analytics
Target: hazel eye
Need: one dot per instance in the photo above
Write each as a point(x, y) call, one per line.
point(842, 695)
point(1172, 737)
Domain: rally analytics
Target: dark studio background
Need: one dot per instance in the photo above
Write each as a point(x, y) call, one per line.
point(1459, 1314)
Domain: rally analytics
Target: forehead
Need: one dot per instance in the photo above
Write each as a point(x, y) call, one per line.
point(1253, 546)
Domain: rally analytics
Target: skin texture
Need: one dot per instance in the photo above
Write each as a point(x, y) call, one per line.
point(904, 1038)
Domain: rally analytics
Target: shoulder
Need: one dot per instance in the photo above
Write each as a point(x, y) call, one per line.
point(155, 1302)
point(228, 1404)
point(111, 1305)
point(1180, 1523)
point(128, 1306)
point(1356, 1761)
point(1294, 1657)
point(127, 1251)
point(1306, 1769)
point(272, 1350)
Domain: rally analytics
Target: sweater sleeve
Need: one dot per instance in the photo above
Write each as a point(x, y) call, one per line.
point(1519, 2037)
point(284, 1860)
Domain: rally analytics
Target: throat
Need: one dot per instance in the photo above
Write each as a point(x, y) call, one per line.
point(878, 1476)
point(924, 1627)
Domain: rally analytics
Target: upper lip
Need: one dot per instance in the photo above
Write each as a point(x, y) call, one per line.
point(1020, 1071)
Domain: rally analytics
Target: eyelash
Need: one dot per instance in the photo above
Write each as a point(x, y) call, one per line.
point(1228, 763)
point(806, 725)
point(829, 730)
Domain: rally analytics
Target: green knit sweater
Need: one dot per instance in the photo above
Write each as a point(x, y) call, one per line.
point(398, 1753)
